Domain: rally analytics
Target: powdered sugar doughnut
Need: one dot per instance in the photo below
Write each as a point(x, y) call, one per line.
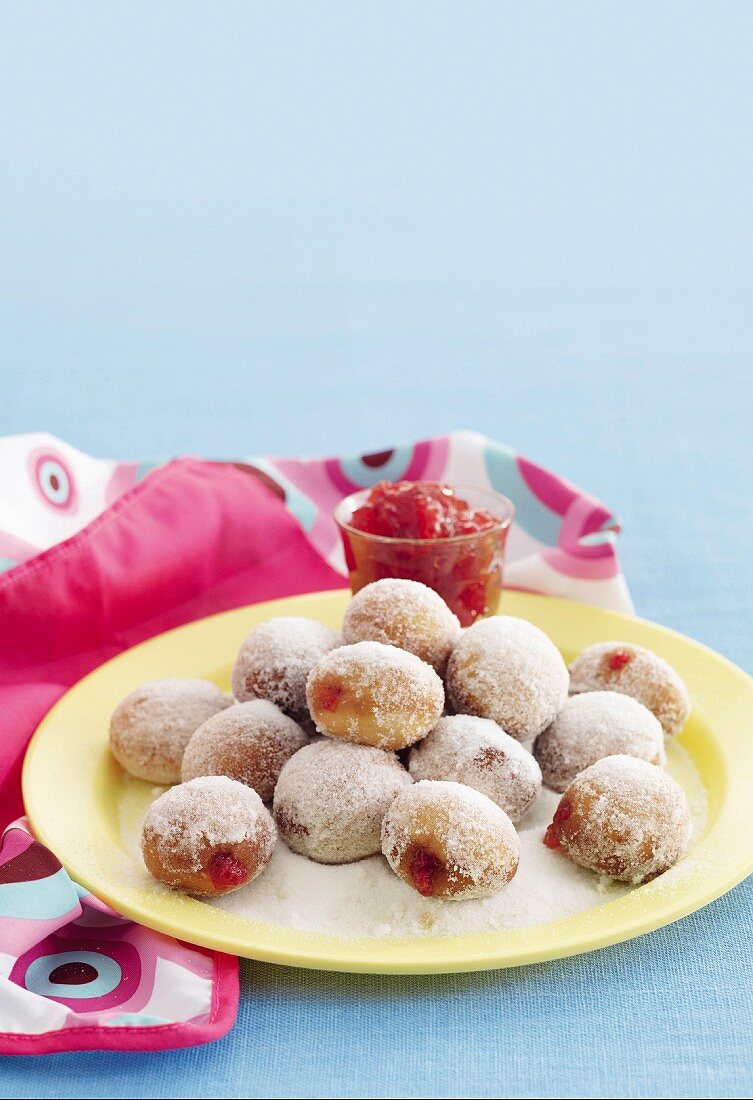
point(374, 694)
point(508, 670)
point(633, 670)
point(276, 658)
point(475, 751)
point(406, 614)
point(249, 742)
point(594, 725)
point(624, 818)
point(331, 797)
point(151, 727)
point(449, 841)
point(208, 836)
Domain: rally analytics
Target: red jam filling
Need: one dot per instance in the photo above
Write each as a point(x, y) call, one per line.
point(328, 696)
point(618, 660)
point(419, 510)
point(552, 835)
point(226, 871)
point(422, 869)
point(467, 574)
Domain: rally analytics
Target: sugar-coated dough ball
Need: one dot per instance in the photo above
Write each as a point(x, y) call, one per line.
point(406, 614)
point(475, 751)
point(276, 658)
point(375, 694)
point(624, 818)
point(594, 725)
point(249, 742)
point(635, 671)
point(331, 798)
point(151, 727)
point(207, 837)
point(507, 669)
point(449, 841)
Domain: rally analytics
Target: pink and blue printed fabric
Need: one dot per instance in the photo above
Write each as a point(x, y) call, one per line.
point(108, 556)
point(563, 541)
point(80, 976)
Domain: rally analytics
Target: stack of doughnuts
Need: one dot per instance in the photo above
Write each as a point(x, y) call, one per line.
point(406, 737)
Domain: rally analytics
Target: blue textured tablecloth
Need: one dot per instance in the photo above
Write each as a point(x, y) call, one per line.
point(237, 229)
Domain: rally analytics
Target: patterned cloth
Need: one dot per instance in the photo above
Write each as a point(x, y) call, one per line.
point(562, 542)
point(76, 970)
point(98, 557)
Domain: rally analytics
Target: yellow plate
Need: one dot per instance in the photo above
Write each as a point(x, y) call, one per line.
point(73, 790)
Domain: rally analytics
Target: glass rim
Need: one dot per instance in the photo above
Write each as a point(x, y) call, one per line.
point(502, 525)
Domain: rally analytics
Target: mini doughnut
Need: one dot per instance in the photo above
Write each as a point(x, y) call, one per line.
point(475, 751)
point(151, 727)
point(633, 670)
point(594, 725)
point(374, 694)
point(331, 797)
point(276, 658)
point(406, 614)
point(508, 670)
point(449, 841)
point(249, 742)
point(208, 836)
point(624, 818)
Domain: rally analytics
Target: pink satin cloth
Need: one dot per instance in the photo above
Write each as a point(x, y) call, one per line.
point(192, 539)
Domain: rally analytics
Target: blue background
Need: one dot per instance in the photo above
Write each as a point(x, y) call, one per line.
point(320, 227)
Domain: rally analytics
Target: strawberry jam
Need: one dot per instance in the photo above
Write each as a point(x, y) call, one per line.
point(419, 510)
point(428, 532)
point(618, 660)
point(561, 814)
point(226, 871)
point(423, 869)
point(328, 695)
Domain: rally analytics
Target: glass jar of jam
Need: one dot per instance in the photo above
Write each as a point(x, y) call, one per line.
point(450, 537)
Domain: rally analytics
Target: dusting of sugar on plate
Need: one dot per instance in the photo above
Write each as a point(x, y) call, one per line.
point(366, 899)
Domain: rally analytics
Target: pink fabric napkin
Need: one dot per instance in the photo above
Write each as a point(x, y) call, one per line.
point(80, 977)
point(127, 559)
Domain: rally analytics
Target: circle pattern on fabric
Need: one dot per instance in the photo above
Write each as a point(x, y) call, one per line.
point(423, 462)
point(53, 480)
point(83, 973)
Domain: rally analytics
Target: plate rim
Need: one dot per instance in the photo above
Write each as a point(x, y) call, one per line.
point(475, 951)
